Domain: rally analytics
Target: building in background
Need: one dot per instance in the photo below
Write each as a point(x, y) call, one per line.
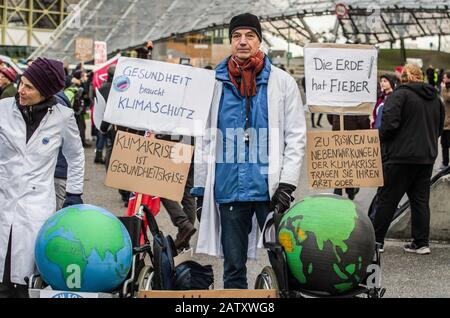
point(27, 24)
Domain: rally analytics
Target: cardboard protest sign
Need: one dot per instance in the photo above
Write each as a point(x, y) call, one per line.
point(344, 159)
point(148, 165)
point(340, 78)
point(83, 49)
point(161, 97)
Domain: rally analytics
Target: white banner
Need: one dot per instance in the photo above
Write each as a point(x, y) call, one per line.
point(161, 97)
point(337, 76)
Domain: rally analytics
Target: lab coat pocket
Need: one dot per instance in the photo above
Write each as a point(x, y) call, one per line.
point(40, 201)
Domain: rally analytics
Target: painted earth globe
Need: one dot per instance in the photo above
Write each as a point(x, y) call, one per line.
point(83, 248)
point(328, 244)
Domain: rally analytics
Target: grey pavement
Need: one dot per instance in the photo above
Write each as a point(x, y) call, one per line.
point(403, 275)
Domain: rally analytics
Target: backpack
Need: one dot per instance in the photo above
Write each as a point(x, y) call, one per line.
point(75, 96)
point(163, 253)
point(191, 275)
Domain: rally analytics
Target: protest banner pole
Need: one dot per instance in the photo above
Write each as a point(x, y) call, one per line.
point(138, 202)
point(341, 122)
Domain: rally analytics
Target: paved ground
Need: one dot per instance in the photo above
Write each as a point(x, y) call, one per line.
point(404, 275)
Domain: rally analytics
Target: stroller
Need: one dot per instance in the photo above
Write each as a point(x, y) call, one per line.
point(163, 274)
point(278, 276)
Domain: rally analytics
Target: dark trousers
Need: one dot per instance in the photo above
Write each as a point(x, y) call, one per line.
point(81, 127)
point(414, 180)
point(313, 124)
point(180, 214)
point(445, 143)
point(351, 192)
point(236, 225)
point(8, 289)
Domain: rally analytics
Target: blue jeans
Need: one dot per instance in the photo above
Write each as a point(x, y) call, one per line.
point(236, 223)
point(100, 142)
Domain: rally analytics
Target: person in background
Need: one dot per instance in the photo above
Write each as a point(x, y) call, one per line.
point(61, 163)
point(387, 85)
point(445, 137)
point(351, 122)
point(398, 75)
point(110, 130)
point(182, 216)
point(430, 75)
point(75, 93)
point(7, 79)
point(413, 120)
point(313, 123)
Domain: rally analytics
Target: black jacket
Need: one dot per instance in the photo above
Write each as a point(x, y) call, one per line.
point(61, 164)
point(413, 120)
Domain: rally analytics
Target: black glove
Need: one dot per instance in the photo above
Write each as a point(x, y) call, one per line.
point(199, 208)
point(282, 198)
point(72, 199)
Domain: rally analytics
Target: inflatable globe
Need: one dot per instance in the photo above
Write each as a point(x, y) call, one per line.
point(83, 248)
point(328, 244)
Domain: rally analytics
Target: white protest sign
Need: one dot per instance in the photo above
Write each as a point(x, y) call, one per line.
point(161, 97)
point(99, 108)
point(339, 75)
point(100, 52)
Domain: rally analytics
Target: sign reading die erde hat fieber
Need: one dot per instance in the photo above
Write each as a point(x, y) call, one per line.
point(161, 97)
point(340, 78)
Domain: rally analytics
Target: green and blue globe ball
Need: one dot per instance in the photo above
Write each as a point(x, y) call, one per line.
point(83, 248)
point(328, 244)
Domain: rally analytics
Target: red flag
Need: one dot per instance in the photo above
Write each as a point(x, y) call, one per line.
point(101, 74)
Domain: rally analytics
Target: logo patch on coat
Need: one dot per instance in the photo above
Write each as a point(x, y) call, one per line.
point(45, 140)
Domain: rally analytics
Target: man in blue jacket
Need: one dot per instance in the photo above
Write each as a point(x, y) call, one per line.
point(255, 147)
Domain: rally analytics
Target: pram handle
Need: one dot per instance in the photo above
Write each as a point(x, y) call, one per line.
point(152, 225)
point(142, 249)
point(274, 221)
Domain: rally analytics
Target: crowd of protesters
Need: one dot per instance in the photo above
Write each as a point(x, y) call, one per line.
point(250, 93)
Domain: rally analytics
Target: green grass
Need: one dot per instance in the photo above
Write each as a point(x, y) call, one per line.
point(388, 59)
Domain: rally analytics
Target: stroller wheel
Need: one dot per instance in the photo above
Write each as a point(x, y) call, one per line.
point(145, 278)
point(267, 279)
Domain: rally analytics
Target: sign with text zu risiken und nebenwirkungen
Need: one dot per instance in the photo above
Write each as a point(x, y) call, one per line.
point(160, 97)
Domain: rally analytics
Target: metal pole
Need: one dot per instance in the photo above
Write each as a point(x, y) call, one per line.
point(289, 47)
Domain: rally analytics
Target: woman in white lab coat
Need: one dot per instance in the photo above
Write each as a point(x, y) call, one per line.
point(33, 126)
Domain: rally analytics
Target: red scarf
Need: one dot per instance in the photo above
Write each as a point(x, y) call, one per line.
point(246, 82)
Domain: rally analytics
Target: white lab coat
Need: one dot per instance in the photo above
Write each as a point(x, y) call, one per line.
point(287, 139)
point(27, 192)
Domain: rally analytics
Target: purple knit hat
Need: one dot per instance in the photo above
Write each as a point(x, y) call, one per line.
point(47, 76)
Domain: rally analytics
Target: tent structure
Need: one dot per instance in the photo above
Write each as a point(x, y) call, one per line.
point(126, 23)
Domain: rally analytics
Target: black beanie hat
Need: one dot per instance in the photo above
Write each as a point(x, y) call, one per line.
point(245, 21)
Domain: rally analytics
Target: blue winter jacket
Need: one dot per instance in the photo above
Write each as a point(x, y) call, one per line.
point(241, 175)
